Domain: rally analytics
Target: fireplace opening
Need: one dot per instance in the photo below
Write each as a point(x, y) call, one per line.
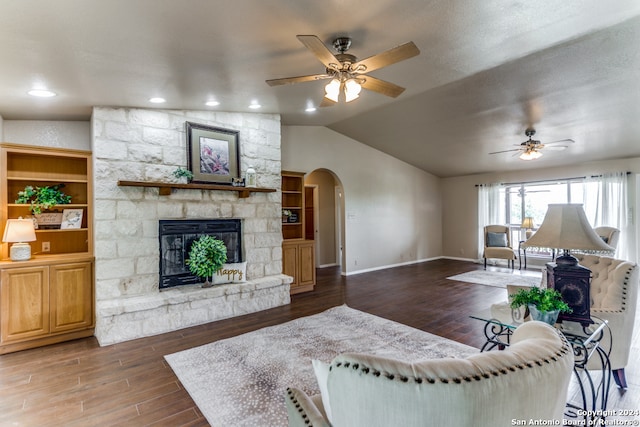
point(176, 238)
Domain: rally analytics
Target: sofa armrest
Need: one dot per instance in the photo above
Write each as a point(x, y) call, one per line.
point(302, 411)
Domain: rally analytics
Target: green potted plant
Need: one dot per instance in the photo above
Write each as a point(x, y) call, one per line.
point(544, 303)
point(42, 198)
point(206, 256)
point(286, 213)
point(183, 174)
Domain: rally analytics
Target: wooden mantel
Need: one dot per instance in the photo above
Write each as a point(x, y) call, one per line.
point(164, 188)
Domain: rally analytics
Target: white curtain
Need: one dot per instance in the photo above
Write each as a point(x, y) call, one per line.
point(491, 210)
point(606, 204)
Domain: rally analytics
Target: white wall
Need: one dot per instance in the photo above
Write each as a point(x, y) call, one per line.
point(393, 210)
point(43, 133)
point(460, 199)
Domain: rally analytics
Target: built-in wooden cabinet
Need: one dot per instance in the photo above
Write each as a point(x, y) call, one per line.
point(299, 262)
point(45, 302)
point(298, 253)
point(49, 298)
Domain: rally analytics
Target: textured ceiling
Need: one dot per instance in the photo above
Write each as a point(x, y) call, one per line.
point(486, 71)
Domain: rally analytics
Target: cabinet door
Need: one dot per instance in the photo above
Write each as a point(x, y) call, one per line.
point(306, 262)
point(71, 296)
point(24, 305)
point(290, 262)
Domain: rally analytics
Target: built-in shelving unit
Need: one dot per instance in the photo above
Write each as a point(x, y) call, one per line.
point(165, 188)
point(298, 254)
point(49, 298)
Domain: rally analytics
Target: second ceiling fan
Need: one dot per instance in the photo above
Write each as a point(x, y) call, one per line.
point(531, 148)
point(347, 74)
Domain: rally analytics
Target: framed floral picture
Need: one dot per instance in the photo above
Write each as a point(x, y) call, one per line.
point(213, 154)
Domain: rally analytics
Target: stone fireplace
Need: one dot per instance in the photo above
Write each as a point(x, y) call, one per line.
point(147, 145)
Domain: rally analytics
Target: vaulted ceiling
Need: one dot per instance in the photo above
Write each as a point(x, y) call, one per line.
point(487, 69)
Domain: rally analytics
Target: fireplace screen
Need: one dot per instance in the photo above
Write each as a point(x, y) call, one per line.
point(176, 237)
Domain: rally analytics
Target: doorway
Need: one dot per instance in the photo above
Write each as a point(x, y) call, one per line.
point(326, 201)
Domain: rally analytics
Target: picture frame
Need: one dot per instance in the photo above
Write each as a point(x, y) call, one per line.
point(213, 154)
point(71, 218)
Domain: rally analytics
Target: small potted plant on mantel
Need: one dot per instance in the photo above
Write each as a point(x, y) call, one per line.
point(206, 256)
point(544, 303)
point(183, 175)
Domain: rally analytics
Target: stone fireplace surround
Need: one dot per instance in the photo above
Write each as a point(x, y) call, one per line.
point(147, 145)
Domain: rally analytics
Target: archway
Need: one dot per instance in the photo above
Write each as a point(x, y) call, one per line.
point(328, 217)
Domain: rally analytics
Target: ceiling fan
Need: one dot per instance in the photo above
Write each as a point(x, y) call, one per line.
point(347, 74)
point(531, 148)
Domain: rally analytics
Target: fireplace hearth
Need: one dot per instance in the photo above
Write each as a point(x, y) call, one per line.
point(176, 238)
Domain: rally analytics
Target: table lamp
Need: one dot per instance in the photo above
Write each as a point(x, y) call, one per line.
point(565, 226)
point(527, 224)
point(19, 231)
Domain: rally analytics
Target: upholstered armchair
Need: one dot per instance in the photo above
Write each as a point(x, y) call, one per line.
point(497, 244)
point(610, 235)
point(528, 380)
point(614, 296)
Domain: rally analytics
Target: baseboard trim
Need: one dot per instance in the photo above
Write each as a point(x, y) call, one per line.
point(335, 264)
point(384, 267)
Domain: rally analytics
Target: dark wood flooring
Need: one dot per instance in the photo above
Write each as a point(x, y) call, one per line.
point(82, 384)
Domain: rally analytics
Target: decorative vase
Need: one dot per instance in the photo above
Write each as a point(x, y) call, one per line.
point(549, 317)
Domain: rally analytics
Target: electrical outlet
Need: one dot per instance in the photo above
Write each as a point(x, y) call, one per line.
point(46, 246)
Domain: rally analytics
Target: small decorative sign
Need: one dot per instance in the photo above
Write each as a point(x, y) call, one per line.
point(49, 221)
point(71, 218)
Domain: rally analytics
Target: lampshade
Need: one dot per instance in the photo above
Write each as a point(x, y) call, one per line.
point(530, 155)
point(332, 90)
point(565, 226)
point(351, 90)
point(19, 231)
point(527, 223)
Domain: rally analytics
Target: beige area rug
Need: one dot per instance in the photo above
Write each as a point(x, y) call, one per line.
point(497, 279)
point(241, 381)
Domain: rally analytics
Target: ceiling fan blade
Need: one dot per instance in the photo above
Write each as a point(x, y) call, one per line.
point(326, 102)
point(506, 151)
point(381, 86)
point(391, 56)
point(299, 79)
point(555, 147)
point(315, 45)
point(561, 141)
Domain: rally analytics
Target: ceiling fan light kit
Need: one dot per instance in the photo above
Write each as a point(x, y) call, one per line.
point(347, 74)
point(531, 154)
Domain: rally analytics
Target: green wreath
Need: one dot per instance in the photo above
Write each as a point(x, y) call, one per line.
point(206, 256)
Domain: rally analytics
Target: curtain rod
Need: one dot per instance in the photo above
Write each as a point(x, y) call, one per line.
point(548, 180)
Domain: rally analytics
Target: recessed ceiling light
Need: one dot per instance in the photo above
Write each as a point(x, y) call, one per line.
point(254, 105)
point(310, 109)
point(42, 93)
point(157, 100)
point(212, 103)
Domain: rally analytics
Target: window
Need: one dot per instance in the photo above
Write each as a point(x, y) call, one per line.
point(532, 200)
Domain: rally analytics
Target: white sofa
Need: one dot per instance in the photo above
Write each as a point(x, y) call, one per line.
point(528, 380)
